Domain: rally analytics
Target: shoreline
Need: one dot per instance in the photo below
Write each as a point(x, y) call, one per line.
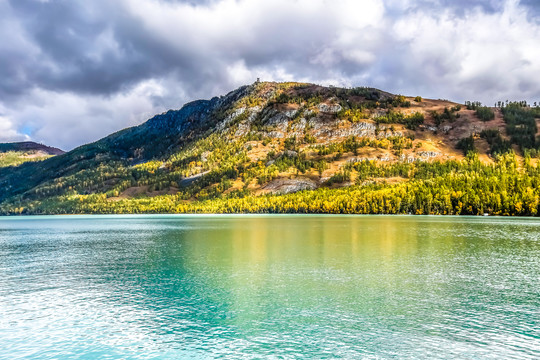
point(201, 215)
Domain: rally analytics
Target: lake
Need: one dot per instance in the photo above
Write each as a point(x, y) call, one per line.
point(269, 286)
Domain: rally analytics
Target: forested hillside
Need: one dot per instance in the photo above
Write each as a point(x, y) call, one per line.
point(291, 147)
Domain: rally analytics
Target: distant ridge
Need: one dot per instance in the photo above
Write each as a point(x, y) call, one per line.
point(30, 146)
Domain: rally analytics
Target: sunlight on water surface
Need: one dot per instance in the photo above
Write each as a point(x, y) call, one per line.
point(380, 287)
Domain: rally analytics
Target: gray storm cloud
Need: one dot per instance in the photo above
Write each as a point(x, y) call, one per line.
point(74, 71)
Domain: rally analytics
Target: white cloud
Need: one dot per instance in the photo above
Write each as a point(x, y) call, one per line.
point(82, 70)
point(64, 118)
point(485, 56)
point(8, 133)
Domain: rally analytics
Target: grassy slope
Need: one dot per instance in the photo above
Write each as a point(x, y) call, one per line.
point(16, 158)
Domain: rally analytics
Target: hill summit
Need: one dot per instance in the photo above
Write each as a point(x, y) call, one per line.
point(264, 144)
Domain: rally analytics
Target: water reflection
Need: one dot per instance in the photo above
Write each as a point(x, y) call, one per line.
point(255, 286)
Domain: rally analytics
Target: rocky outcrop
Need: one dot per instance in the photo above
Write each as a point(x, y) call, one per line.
point(190, 179)
point(331, 109)
point(359, 129)
point(286, 186)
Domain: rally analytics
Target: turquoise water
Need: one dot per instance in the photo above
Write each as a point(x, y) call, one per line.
point(277, 287)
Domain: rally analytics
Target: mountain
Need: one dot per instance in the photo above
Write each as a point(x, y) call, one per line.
point(292, 147)
point(30, 147)
point(14, 154)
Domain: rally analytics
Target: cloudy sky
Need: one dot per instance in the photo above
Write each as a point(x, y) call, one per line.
point(73, 71)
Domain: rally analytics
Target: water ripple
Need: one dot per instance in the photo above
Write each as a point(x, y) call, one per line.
point(273, 287)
